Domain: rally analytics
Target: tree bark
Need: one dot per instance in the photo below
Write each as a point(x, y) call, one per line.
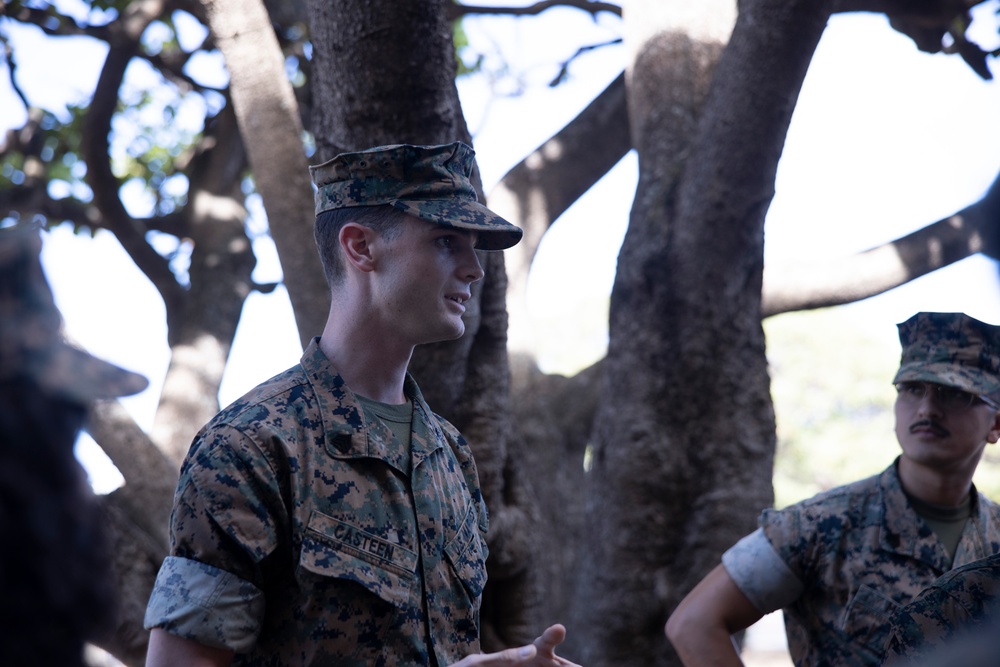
point(272, 132)
point(686, 347)
point(137, 557)
point(553, 419)
point(219, 281)
point(94, 148)
point(684, 443)
point(222, 262)
point(220, 268)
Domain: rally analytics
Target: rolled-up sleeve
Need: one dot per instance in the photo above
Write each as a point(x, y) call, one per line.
point(205, 604)
point(758, 571)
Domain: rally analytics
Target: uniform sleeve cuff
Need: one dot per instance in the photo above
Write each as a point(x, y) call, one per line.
point(758, 571)
point(205, 604)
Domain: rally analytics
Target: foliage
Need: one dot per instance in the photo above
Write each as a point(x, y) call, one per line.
point(155, 128)
point(833, 400)
point(152, 146)
point(55, 146)
point(462, 48)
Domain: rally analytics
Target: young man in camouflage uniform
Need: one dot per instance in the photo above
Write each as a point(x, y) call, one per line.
point(841, 562)
point(329, 517)
point(954, 622)
point(57, 589)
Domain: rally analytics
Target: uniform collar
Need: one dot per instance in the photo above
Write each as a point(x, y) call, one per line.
point(347, 437)
point(904, 532)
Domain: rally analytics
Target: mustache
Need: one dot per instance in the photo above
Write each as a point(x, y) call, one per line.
point(931, 424)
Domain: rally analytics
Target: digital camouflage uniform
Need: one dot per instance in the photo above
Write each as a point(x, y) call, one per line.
point(840, 563)
point(951, 349)
point(430, 183)
point(954, 622)
point(299, 536)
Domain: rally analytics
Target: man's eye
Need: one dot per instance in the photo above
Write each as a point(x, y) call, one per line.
point(949, 394)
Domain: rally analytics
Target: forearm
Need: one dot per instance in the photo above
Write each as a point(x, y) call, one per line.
point(702, 625)
point(167, 650)
point(704, 647)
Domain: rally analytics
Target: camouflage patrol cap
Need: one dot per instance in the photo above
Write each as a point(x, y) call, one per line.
point(31, 344)
point(429, 182)
point(952, 349)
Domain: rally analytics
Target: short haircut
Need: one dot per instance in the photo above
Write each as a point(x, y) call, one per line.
point(383, 219)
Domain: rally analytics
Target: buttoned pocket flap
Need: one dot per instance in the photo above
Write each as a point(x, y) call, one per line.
point(337, 549)
point(866, 620)
point(467, 554)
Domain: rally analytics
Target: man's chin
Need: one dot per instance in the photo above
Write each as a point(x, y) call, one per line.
point(445, 336)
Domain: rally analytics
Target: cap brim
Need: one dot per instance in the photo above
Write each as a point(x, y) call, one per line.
point(946, 374)
point(495, 233)
point(74, 374)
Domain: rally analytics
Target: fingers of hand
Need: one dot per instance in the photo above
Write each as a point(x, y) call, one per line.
point(552, 637)
point(511, 656)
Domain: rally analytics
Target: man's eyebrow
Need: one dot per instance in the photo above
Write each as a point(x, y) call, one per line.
point(461, 231)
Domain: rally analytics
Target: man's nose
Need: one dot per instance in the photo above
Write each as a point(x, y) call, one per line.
point(473, 268)
point(929, 403)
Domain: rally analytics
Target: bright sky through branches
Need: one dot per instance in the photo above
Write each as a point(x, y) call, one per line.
point(884, 140)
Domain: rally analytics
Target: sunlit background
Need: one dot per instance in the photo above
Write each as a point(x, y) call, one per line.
point(884, 140)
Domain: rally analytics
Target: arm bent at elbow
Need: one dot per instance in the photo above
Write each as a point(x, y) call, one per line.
point(701, 627)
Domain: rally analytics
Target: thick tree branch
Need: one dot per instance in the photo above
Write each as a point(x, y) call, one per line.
point(220, 270)
point(55, 24)
point(151, 477)
point(456, 11)
point(928, 23)
point(30, 201)
point(810, 284)
point(685, 333)
point(136, 560)
point(138, 514)
point(11, 69)
point(95, 150)
point(536, 191)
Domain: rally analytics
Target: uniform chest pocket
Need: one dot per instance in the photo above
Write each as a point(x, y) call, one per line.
point(335, 549)
point(866, 620)
point(467, 554)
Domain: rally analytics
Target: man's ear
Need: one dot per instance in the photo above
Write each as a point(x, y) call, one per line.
point(355, 240)
point(994, 435)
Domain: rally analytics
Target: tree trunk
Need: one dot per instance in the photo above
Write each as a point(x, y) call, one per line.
point(220, 268)
point(383, 73)
point(222, 261)
point(684, 443)
point(686, 346)
point(272, 133)
point(219, 278)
